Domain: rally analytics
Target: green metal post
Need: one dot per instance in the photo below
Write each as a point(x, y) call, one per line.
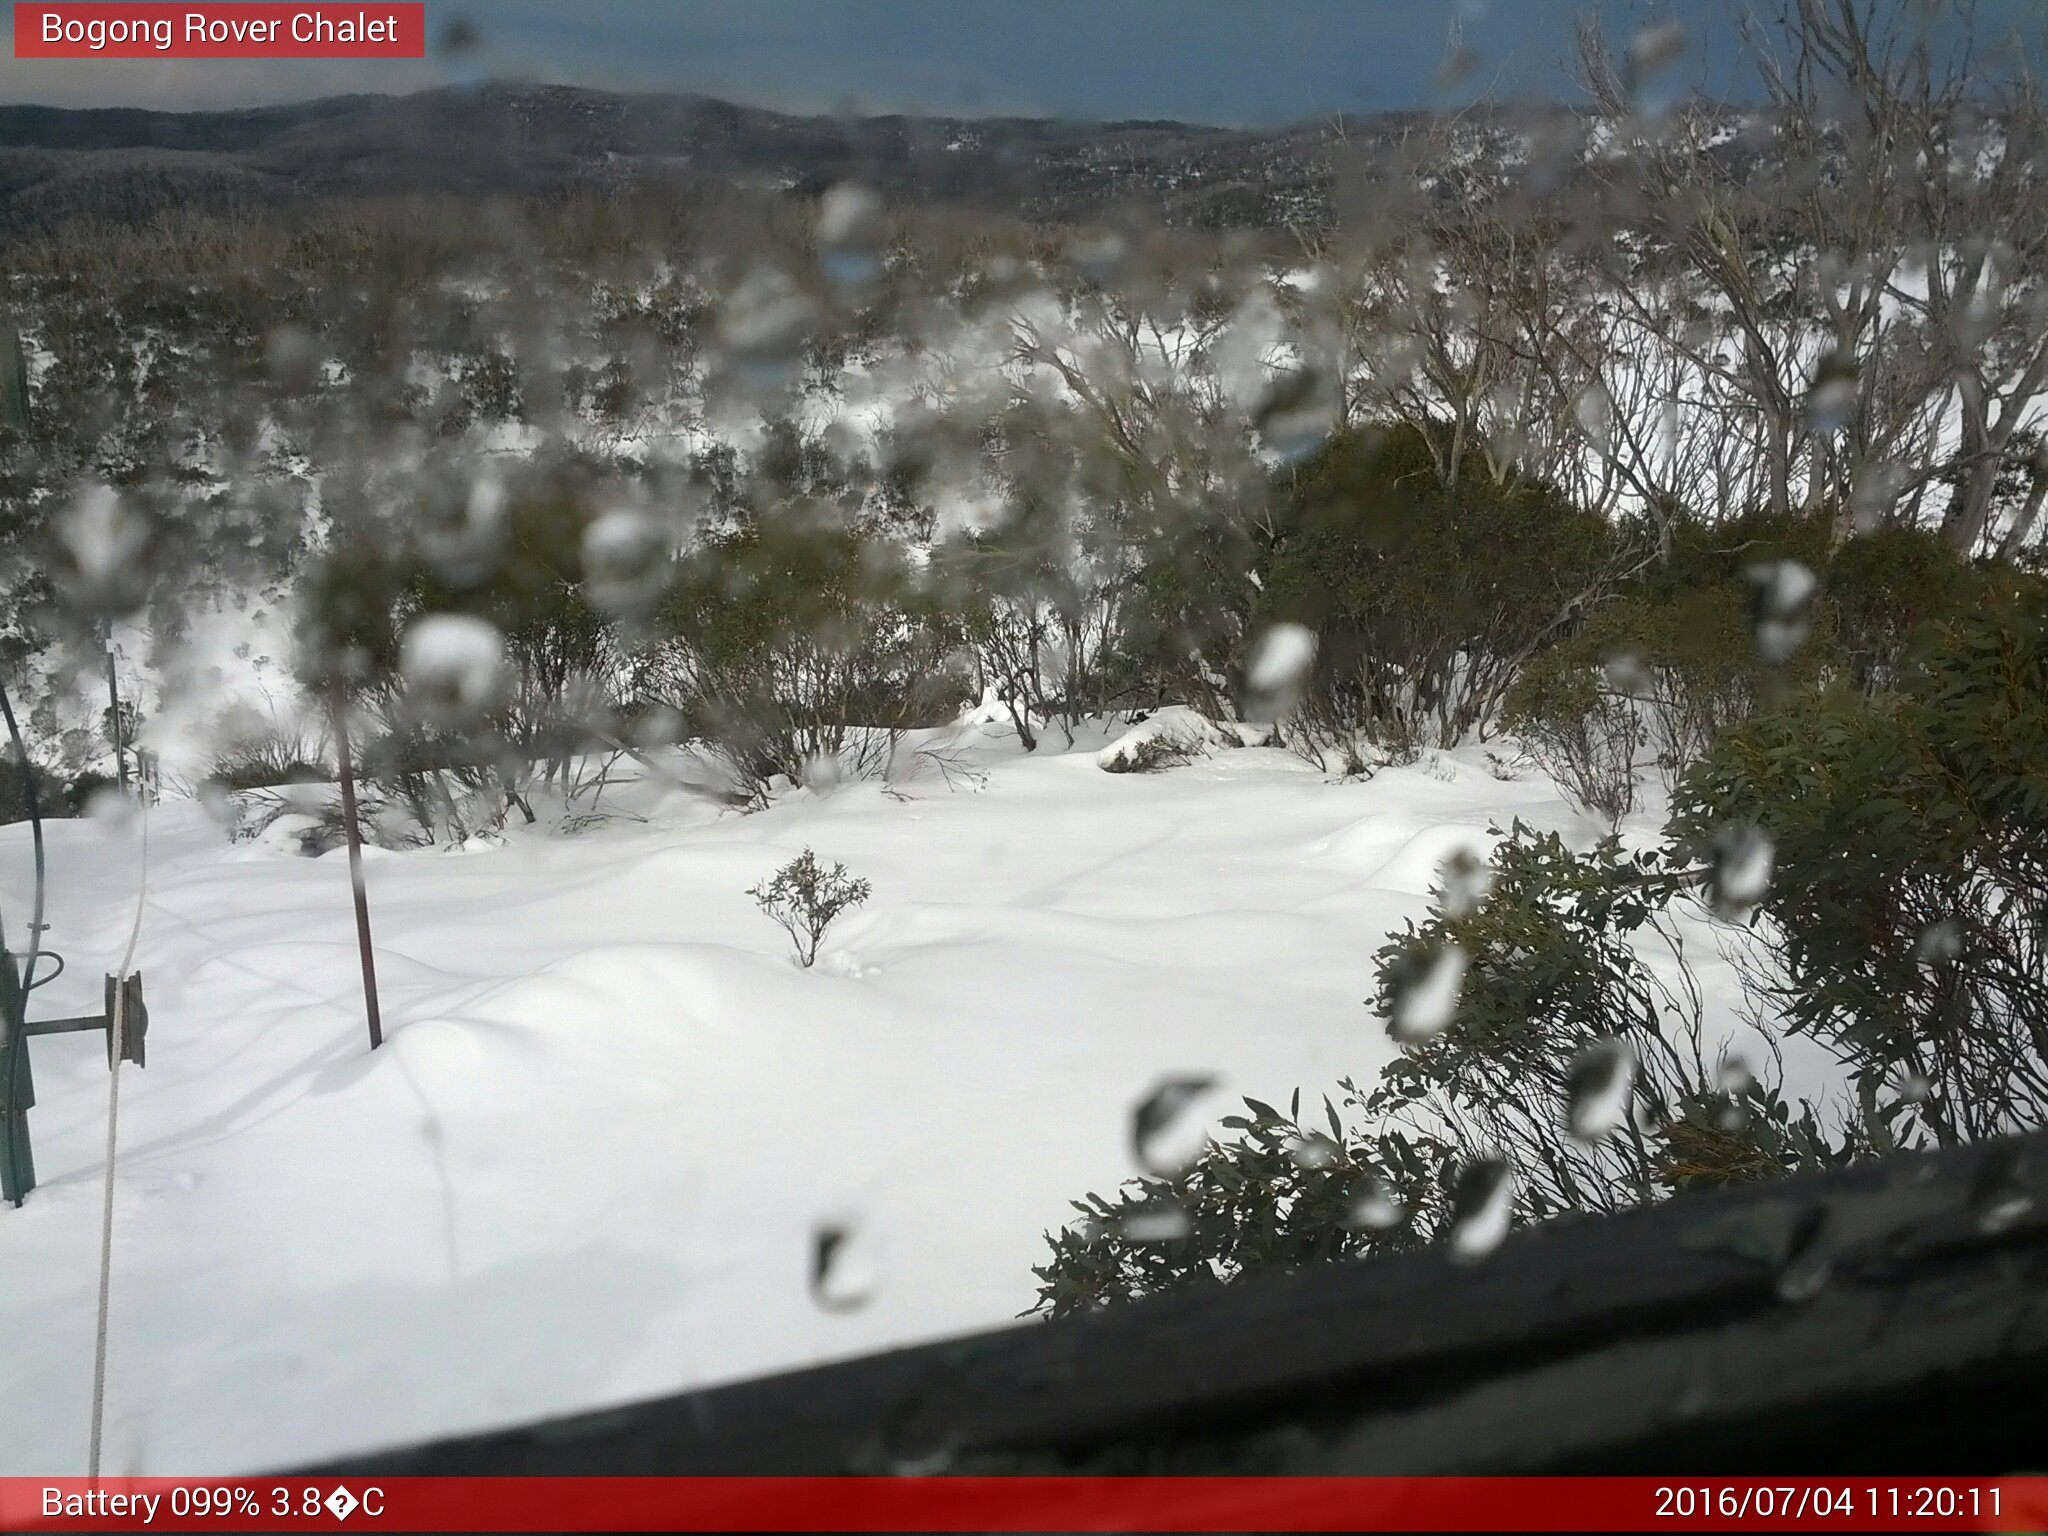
point(13, 381)
point(17, 1160)
point(114, 710)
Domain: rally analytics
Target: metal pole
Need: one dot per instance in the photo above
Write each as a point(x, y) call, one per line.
point(114, 711)
point(355, 867)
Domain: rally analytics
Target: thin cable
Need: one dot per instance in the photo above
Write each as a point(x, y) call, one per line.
point(119, 1026)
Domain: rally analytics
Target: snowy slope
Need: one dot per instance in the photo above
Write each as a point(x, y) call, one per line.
point(611, 1114)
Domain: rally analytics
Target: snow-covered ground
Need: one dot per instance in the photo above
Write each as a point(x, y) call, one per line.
point(611, 1114)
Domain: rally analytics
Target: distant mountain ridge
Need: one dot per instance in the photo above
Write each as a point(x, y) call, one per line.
point(126, 163)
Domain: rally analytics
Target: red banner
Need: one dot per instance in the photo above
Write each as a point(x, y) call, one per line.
point(1024, 1504)
point(215, 31)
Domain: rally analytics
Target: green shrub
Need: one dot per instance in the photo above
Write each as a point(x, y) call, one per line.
point(1282, 1195)
point(1883, 588)
point(53, 797)
point(1425, 598)
point(1539, 1045)
point(806, 898)
point(1579, 730)
point(788, 635)
point(1557, 996)
point(1910, 848)
point(797, 628)
point(1698, 555)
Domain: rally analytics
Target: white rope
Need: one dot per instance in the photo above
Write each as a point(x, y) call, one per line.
point(118, 1025)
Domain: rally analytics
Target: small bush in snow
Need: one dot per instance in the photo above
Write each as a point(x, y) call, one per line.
point(262, 751)
point(805, 897)
point(1166, 739)
point(1579, 733)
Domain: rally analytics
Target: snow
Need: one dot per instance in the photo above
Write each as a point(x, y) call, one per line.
point(617, 1143)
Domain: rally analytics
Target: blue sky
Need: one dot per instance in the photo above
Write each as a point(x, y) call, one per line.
point(1222, 61)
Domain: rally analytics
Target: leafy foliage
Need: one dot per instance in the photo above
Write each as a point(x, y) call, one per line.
point(1578, 730)
point(1679, 657)
point(797, 623)
point(1560, 1052)
point(1910, 841)
point(1281, 1195)
point(806, 898)
point(1425, 597)
point(1561, 1007)
point(54, 796)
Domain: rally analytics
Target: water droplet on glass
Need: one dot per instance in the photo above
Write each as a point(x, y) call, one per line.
point(1831, 401)
point(1313, 1151)
point(1482, 1207)
point(1735, 1082)
point(1373, 1208)
point(922, 1432)
point(1781, 600)
point(1651, 53)
point(1939, 944)
point(460, 35)
point(454, 667)
point(1098, 257)
point(1809, 1257)
point(625, 561)
point(660, 726)
point(844, 1275)
point(1597, 1089)
point(461, 535)
point(1168, 1131)
point(1739, 872)
point(1656, 48)
point(106, 541)
point(1696, 1392)
point(1089, 1230)
point(293, 358)
point(1627, 674)
point(1283, 658)
point(1593, 410)
point(1460, 59)
point(1157, 1221)
point(765, 326)
point(219, 804)
point(823, 772)
point(850, 236)
point(1426, 996)
point(1998, 1197)
point(112, 811)
point(1466, 880)
point(1877, 489)
point(1300, 410)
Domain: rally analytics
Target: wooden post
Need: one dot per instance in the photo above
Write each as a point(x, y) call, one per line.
point(355, 866)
